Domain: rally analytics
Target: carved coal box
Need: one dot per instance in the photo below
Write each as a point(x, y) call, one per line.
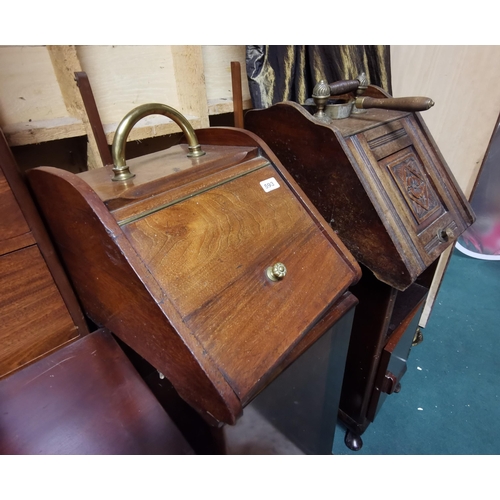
point(377, 177)
point(207, 259)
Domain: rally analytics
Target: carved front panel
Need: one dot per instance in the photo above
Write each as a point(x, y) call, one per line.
point(415, 187)
point(418, 201)
point(409, 192)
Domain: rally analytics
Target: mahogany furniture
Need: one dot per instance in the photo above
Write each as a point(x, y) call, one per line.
point(211, 267)
point(63, 390)
point(38, 307)
point(379, 180)
point(85, 398)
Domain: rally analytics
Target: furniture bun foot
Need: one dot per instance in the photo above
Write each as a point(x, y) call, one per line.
point(353, 441)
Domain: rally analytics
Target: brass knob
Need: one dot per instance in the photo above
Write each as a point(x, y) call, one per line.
point(276, 272)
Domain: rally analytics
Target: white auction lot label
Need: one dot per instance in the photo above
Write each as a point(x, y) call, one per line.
point(269, 184)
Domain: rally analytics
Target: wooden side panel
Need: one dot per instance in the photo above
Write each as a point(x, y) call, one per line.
point(15, 187)
point(35, 319)
point(118, 292)
point(313, 155)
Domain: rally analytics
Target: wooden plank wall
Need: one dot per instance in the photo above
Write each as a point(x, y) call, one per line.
point(39, 99)
point(463, 82)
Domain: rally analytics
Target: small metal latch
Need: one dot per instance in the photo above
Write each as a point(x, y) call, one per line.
point(445, 234)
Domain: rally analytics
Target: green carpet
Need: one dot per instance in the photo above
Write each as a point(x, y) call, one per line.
point(449, 403)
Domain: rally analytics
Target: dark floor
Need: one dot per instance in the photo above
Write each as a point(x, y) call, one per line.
point(450, 398)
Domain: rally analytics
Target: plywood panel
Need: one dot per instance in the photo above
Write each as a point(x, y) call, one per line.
point(32, 107)
point(190, 81)
point(29, 91)
point(125, 76)
point(217, 63)
point(36, 105)
point(462, 80)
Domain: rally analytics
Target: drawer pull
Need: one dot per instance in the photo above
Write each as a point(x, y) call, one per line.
point(276, 272)
point(120, 169)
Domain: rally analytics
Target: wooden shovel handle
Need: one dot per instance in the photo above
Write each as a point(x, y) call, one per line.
point(395, 103)
point(343, 87)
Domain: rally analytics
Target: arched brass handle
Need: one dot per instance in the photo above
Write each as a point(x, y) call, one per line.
point(276, 272)
point(120, 168)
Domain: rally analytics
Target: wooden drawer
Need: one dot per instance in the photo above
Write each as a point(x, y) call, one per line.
point(14, 230)
point(35, 319)
point(394, 355)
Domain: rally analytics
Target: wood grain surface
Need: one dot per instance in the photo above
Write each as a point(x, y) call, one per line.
point(210, 254)
point(84, 399)
point(35, 319)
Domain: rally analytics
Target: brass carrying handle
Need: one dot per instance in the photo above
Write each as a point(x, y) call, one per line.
point(120, 169)
point(395, 103)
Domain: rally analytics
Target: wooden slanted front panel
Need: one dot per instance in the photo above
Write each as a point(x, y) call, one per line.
point(419, 189)
point(211, 252)
point(35, 319)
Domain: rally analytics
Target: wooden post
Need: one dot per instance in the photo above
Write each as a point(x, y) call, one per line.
point(65, 63)
point(237, 94)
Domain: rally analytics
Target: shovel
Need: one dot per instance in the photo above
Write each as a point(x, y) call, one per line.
point(342, 105)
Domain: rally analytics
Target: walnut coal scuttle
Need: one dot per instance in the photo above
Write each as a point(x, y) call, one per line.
point(371, 167)
point(209, 261)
